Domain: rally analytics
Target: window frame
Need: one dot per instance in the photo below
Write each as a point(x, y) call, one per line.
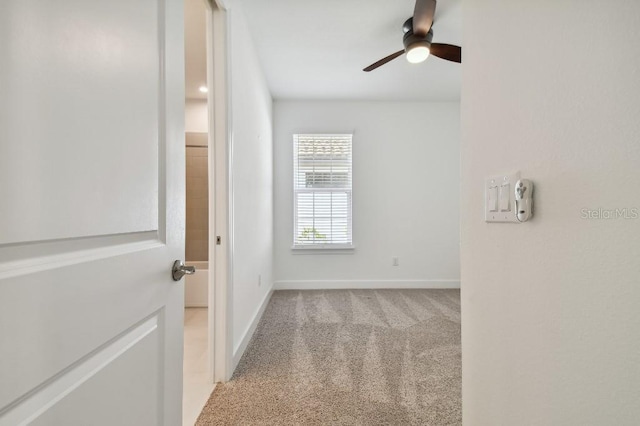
point(325, 248)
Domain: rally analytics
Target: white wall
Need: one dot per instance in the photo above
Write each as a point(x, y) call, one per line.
point(252, 183)
point(405, 194)
point(196, 116)
point(551, 308)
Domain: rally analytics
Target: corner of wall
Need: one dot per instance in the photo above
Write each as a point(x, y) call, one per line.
point(251, 199)
point(240, 349)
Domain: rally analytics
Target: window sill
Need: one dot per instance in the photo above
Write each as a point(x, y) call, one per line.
point(328, 249)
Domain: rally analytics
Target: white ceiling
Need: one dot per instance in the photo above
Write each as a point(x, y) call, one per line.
point(316, 49)
point(195, 48)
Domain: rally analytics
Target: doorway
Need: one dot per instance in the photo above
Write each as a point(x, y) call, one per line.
point(198, 380)
point(208, 243)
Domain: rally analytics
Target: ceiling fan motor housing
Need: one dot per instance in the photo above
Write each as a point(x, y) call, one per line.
point(412, 40)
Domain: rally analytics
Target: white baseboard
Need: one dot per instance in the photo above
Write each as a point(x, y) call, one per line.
point(248, 334)
point(363, 284)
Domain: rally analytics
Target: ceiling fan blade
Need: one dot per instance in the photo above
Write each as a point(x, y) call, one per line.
point(423, 16)
point(448, 52)
point(383, 61)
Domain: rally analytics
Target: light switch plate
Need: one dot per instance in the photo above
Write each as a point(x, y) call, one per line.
point(502, 183)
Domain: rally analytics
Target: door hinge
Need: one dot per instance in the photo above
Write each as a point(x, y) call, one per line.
point(218, 240)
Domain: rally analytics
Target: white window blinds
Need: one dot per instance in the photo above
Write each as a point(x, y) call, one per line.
point(322, 191)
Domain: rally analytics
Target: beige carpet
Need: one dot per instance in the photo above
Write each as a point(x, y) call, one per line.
point(348, 357)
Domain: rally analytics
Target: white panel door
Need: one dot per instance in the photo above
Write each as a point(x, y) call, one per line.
point(91, 212)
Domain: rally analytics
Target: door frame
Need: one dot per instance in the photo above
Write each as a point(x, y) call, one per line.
point(220, 294)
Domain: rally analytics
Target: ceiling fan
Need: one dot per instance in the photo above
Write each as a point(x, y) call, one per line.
point(418, 33)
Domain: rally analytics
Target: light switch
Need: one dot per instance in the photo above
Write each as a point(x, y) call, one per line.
point(499, 198)
point(505, 197)
point(493, 199)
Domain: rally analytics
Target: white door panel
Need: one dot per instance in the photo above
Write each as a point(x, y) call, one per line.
point(91, 212)
point(84, 385)
point(65, 65)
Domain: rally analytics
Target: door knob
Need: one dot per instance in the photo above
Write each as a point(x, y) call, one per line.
point(179, 270)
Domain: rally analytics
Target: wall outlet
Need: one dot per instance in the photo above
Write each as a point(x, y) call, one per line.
point(396, 261)
point(259, 280)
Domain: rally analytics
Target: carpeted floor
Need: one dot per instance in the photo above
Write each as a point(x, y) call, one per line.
point(348, 357)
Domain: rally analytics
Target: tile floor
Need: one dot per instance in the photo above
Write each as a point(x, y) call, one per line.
point(196, 375)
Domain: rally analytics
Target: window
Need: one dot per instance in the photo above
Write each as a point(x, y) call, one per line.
point(322, 191)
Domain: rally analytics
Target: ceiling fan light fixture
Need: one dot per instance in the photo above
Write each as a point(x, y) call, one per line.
point(418, 53)
point(417, 46)
point(417, 39)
